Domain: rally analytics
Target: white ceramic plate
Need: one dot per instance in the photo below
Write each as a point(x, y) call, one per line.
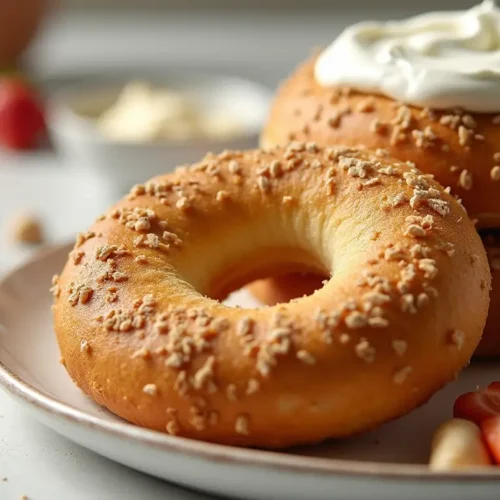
point(387, 464)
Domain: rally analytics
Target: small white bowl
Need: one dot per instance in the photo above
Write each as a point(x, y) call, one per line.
point(120, 165)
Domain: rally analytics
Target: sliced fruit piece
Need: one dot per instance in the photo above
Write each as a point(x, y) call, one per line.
point(491, 433)
point(480, 405)
point(458, 443)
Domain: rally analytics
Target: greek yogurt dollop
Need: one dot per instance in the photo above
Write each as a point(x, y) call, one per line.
point(437, 60)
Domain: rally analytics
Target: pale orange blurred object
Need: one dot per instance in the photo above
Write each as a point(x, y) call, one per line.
point(19, 21)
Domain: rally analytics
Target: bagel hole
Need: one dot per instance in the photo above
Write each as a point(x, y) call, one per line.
point(265, 276)
point(285, 288)
point(276, 289)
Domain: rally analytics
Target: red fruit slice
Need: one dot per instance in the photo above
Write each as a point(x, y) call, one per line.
point(491, 433)
point(480, 405)
point(21, 115)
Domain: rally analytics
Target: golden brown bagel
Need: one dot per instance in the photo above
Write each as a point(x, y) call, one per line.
point(460, 149)
point(401, 314)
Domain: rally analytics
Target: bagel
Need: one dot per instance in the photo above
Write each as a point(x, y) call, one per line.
point(142, 333)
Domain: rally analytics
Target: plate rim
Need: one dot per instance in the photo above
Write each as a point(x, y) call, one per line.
point(276, 460)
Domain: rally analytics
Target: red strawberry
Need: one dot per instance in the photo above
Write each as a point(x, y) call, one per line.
point(480, 405)
point(21, 115)
point(491, 433)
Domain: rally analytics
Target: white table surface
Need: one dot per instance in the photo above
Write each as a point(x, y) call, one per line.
point(34, 460)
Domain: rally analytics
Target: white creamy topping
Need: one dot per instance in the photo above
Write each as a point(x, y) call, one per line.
point(438, 60)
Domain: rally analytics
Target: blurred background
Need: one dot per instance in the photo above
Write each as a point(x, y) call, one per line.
point(96, 95)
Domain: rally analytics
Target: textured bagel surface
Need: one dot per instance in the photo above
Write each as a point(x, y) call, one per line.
point(142, 332)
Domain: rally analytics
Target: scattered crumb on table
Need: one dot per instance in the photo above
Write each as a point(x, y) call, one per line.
point(26, 228)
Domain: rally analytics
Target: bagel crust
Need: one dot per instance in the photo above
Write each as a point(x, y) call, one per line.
point(462, 150)
point(401, 314)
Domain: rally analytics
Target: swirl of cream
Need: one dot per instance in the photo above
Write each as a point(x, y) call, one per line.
point(438, 60)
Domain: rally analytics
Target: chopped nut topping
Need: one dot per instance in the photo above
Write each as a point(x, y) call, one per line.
point(311, 147)
point(80, 294)
point(365, 351)
point(143, 353)
point(84, 346)
point(222, 196)
point(275, 169)
point(466, 180)
point(306, 357)
point(141, 259)
point(263, 183)
point(458, 338)
point(356, 167)
point(356, 320)
point(242, 425)
point(55, 289)
point(173, 428)
point(253, 386)
point(81, 238)
point(495, 173)
point(429, 268)
point(231, 392)
point(150, 389)
point(245, 326)
point(407, 303)
point(77, 257)
point(183, 204)
point(469, 122)
point(401, 375)
point(422, 299)
point(204, 374)
point(234, 167)
point(415, 231)
point(451, 121)
point(399, 346)
point(398, 200)
point(106, 252)
point(344, 338)
point(378, 322)
point(464, 135)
